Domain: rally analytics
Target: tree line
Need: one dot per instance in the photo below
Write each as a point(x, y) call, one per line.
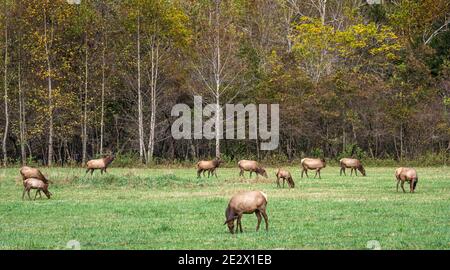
point(352, 78)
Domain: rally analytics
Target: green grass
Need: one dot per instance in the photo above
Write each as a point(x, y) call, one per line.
point(172, 209)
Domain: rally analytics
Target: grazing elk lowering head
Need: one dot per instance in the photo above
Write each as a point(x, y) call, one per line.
point(353, 164)
point(286, 176)
point(251, 166)
point(38, 184)
point(403, 175)
point(246, 203)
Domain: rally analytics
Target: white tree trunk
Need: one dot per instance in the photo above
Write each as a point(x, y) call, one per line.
point(50, 94)
point(153, 88)
point(217, 73)
point(5, 134)
point(140, 114)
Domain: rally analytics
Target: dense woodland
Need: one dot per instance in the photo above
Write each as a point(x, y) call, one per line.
point(83, 80)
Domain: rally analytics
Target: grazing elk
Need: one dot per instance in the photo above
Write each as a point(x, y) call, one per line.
point(29, 172)
point(252, 166)
point(286, 176)
point(353, 164)
point(208, 165)
point(99, 164)
point(403, 175)
point(38, 184)
point(247, 202)
point(312, 164)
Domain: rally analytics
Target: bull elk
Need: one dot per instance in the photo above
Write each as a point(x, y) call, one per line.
point(312, 164)
point(99, 164)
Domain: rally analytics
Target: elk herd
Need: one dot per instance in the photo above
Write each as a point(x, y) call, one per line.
point(247, 202)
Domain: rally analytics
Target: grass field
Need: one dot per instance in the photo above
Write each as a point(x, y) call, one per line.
point(172, 209)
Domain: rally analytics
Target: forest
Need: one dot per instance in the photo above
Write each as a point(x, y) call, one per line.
point(81, 79)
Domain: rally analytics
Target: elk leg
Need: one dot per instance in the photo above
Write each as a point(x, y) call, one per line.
point(306, 172)
point(240, 223)
point(215, 173)
point(105, 170)
point(340, 172)
point(316, 173)
point(398, 183)
point(266, 219)
point(198, 173)
point(241, 173)
point(283, 181)
point(402, 185)
point(251, 174)
point(35, 194)
point(87, 171)
point(23, 194)
point(101, 171)
point(258, 216)
point(28, 192)
point(356, 172)
point(92, 172)
point(411, 185)
point(319, 174)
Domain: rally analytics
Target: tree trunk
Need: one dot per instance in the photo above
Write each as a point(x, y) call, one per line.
point(217, 72)
point(5, 134)
point(21, 111)
point(50, 94)
point(153, 88)
point(140, 114)
point(86, 72)
point(102, 116)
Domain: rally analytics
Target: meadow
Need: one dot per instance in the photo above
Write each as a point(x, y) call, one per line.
point(173, 209)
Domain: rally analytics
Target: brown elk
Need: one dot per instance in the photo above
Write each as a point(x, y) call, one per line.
point(208, 165)
point(312, 164)
point(247, 202)
point(353, 164)
point(403, 175)
point(252, 166)
point(99, 164)
point(38, 184)
point(29, 172)
point(286, 176)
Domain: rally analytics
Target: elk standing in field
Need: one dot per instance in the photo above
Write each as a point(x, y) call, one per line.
point(99, 164)
point(286, 176)
point(34, 183)
point(246, 203)
point(312, 164)
point(29, 172)
point(403, 175)
point(353, 164)
point(208, 165)
point(252, 166)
